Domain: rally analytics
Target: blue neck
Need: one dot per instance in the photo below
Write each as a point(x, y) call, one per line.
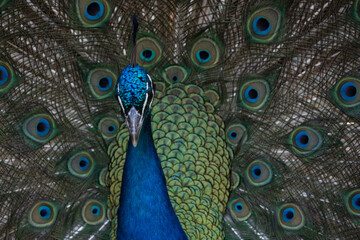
point(145, 211)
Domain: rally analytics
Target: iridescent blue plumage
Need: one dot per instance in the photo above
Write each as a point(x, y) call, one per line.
point(133, 85)
point(135, 93)
point(145, 210)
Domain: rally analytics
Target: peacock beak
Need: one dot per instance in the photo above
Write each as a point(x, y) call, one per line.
point(134, 122)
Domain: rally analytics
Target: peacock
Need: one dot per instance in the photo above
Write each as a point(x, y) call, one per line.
point(181, 119)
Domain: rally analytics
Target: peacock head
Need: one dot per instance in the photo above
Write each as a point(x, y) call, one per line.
point(135, 93)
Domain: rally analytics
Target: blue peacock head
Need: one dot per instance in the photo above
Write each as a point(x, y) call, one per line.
point(135, 94)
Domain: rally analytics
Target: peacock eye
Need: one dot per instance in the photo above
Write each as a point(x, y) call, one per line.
point(40, 128)
point(174, 74)
point(355, 201)
point(288, 214)
point(258, 173)
point(42, 214)
point(81, 164)
point(94, 10)
point(233, 135)
point(302, 139)
point(203, 56)
point(251, 94)
point(111, 129)
point(263, 24)
point(352, 201)
point(254, 94)
point(43, 127)
point(149, 51)
point(291, 217)
point(147, 55)
point(93, 13)
point(4, 75)
point(236, 133)
point(101, 82)
point(306, 140)
point(93, 212)
point(205, 53)
point(105, 83)
point(347, 92)
point(108, 127)
point(345, 95)
point(84, 163)
point(239, 209)
point(7, 77)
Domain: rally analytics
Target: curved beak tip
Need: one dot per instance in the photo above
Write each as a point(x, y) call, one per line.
point(134, 139)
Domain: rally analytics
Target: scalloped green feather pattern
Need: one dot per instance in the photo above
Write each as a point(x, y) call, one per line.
point(191, 145)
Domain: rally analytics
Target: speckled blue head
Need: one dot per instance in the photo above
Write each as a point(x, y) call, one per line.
point(135, 93)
